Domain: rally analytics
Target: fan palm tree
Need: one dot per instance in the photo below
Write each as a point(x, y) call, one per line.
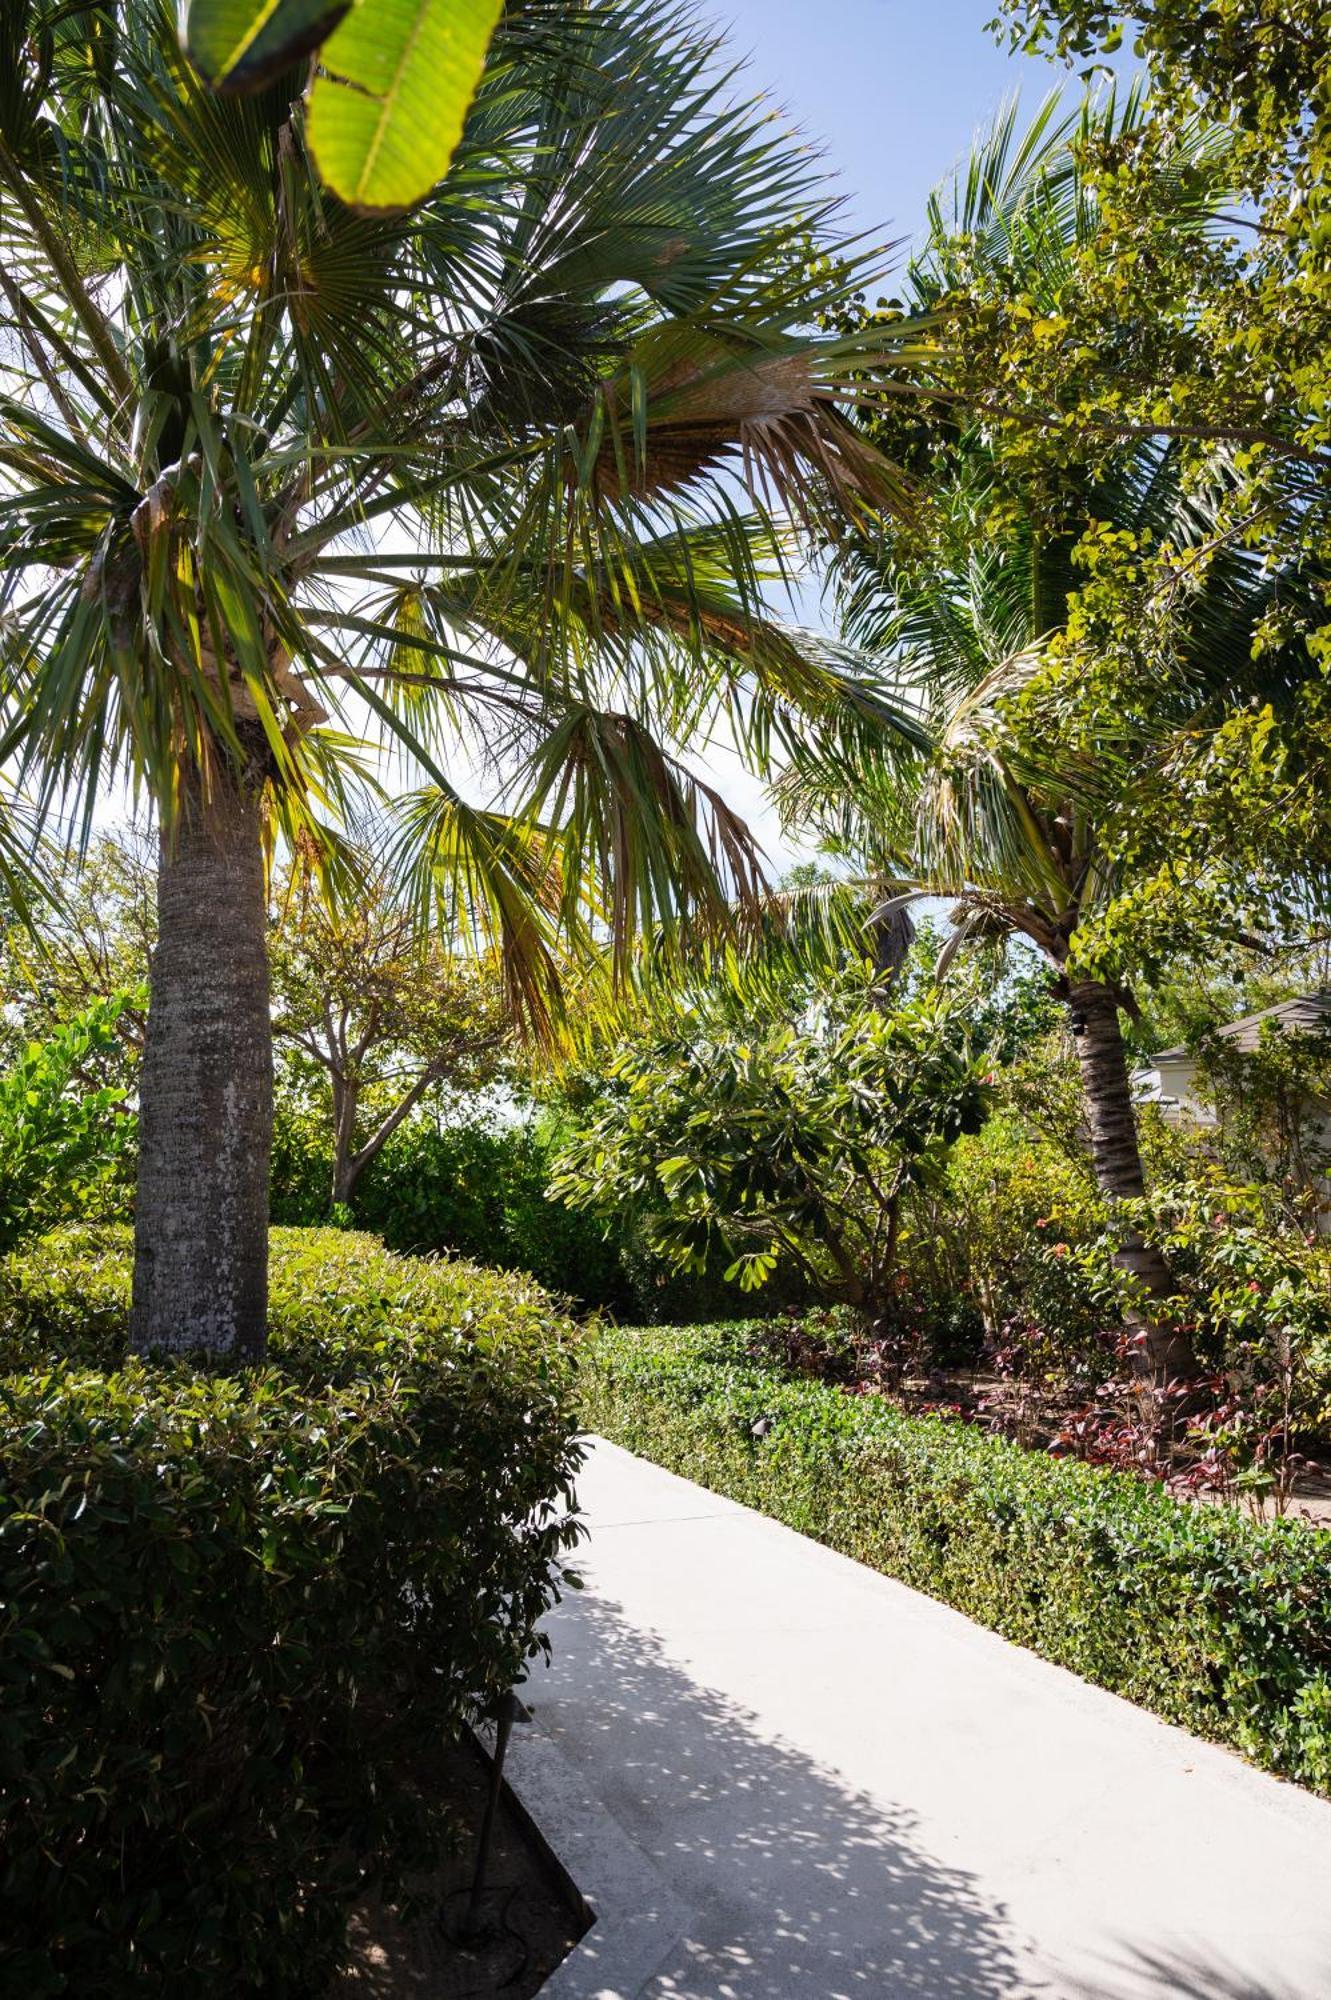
point(496, 484)
point(1010, 830)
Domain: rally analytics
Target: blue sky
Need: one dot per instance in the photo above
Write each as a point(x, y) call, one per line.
point(895, 89)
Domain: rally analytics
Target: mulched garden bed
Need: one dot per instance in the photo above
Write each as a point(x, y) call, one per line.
point(528, 1922)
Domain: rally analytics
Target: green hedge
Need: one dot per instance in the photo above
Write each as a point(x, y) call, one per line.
point(1209, 1619)
point(231, 1607)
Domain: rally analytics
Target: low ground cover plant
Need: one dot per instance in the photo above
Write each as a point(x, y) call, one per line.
point(232, 1604)
point(1216, 1622)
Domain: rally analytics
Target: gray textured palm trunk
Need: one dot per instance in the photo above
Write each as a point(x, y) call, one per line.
point(1161, 1353)
point(206, 1094)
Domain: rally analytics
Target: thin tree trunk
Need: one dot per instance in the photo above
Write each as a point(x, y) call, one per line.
point(893, 934)
point(1161, 1352)
point(345, 1169)
point(348, 1166)
point(206, 1093)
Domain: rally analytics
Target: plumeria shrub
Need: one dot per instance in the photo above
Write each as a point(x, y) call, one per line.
point(232, 1606)
point(779, 1134)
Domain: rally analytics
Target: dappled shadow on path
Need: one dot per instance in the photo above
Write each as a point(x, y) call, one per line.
point(1194, 1973)
point(802, 1887)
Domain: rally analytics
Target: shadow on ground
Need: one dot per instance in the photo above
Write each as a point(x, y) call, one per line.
point(1180, 1975)
point(801, 1885)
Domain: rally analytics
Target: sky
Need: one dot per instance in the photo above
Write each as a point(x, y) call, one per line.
point(894, 89)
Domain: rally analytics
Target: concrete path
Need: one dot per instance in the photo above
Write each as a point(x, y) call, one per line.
point(823, 1786)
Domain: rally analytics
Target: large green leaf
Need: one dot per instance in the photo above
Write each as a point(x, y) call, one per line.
point(239, 45)
point(386, 111)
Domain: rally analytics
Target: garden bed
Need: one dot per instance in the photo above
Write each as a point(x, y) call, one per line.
point(526, 1922)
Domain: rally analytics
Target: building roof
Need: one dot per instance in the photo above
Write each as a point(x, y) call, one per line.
point(1300, 1016)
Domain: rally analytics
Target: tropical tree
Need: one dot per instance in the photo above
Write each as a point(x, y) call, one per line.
point(1040, 749)
point(370, 1017)
point(1225, 339)
point(289, 486)
point(91, 934)
point(778, 1128)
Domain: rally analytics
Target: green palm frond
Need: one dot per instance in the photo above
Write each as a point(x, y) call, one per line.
point(283, 485)
point(1002, 822)
point(493, 878)
point(23, 878)
point(657, 839)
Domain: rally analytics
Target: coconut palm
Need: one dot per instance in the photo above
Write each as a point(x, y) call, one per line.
point(495, 485)
point(1009, 828)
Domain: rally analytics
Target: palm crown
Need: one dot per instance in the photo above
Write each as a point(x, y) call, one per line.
point(273, 465)
point(497, 482)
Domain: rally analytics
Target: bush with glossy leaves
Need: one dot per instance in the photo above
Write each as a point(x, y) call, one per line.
point(232, 1605)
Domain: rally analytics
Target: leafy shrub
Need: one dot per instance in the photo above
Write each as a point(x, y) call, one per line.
point(476, 1190)
point(995, 1248)
point(1248, 1284)
point(782, 1139)
point(1254, 1295)
point(64, 1130)
point(230, 1606)
point(1212, 1621)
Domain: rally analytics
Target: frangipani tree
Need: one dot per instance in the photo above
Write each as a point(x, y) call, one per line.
point(772, 1123)
point(491, 482)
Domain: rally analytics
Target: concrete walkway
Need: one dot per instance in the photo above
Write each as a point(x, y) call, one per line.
point(823, 1786)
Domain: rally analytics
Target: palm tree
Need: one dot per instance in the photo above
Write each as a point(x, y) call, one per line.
point(1011, 829)
point(493, 484)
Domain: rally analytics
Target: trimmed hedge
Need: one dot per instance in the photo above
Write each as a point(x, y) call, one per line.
point(231, 1606)
point(1211, 1620)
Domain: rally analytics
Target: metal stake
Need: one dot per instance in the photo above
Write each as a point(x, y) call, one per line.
point(503, 1729)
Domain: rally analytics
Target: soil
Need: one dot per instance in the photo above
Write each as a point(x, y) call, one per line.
point(1034, 1417)
point(528, 1922)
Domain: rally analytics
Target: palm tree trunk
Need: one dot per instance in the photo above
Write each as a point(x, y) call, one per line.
point(1160, 1351)
point(206, 1094)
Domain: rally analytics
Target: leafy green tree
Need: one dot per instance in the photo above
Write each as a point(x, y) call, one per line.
point(1220, 337)
point(778, 1137)
point(370, 1018)
point(283, 478)
point(1045, 740)
point(92, 934)
point(1182, 311)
